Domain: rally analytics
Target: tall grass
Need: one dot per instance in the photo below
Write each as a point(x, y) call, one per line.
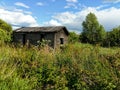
point(74, 67)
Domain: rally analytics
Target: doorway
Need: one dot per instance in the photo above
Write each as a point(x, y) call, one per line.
point(24, 39)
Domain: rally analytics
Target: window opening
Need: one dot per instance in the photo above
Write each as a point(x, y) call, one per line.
point(61, 40)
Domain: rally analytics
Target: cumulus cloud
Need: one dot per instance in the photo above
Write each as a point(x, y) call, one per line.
point(71, 5)
point(40, 4)
point(109, 18)
point(21, 4)
point(73, 1)
point(111, 1)
point(22, 11)
point(52, 23)
point(17, 18)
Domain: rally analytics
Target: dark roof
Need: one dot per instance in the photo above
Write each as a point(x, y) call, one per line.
point(42, 29)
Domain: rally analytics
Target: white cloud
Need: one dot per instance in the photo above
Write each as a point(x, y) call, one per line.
point(40, 4)
point(21, 4)
point(65, 17)
point(22, 11)
point(111, 1)
point(69, 5)
point(52, 23)
point(17, 18)
point(109, 18)
point(74, 1)
point(101, 7)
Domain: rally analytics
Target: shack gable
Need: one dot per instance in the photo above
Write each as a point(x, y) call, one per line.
point(61, 38)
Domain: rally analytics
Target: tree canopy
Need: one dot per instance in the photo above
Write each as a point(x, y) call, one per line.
point(5, 31)
point(73, 37)
point(5, 26)
point(113, 38)
point(93, 32)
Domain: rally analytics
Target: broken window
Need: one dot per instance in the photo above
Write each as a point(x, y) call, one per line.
point(61, 40)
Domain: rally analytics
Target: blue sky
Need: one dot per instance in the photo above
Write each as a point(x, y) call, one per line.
point(69, 13)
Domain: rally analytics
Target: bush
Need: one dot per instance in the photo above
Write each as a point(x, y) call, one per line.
point(73, 37)
point(4, 37)
point(113, 38)
point(5, 32)
point(76, 67)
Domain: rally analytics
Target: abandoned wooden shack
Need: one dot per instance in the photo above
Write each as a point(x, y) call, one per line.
point(57, 35)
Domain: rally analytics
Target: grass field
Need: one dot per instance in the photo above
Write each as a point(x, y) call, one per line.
point(74, 67)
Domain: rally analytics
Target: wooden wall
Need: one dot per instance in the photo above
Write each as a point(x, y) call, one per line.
point(33, 38)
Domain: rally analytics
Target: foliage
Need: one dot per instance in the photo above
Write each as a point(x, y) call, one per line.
point(113, 38)
point(73, 37)
point(93, 32)
point(9, 79)
point(43, 43)
point(5, 31)
point(76, 67)
point(3, 36)
point(5, 26)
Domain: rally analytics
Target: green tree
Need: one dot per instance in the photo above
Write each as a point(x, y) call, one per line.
point(73, 37)
point(113, 38)
point(93, 32)
point(5, 26)
point(5, 31)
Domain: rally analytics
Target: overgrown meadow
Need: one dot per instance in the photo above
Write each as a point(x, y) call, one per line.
point(73, 67)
